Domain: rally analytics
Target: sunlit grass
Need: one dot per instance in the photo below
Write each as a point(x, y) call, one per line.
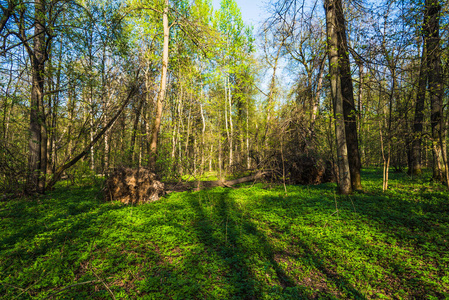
point(251, 242)
point(206, 176)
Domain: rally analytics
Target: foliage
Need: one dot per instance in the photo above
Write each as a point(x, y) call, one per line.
point(252, 242)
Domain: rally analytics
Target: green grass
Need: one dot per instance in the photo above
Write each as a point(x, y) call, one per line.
point(207, 176)
point(253, 242)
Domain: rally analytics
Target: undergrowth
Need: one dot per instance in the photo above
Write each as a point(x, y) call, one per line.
point(253, 242)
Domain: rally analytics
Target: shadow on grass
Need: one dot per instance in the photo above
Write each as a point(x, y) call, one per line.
point(226, 240)
point(252, 265)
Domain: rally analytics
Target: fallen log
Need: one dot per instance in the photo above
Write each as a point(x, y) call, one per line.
point(199, 185)
point(135, 186)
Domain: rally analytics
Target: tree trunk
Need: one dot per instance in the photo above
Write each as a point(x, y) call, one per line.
point(349, 110)
point(52, 156)
point(199, 185)
point(71, 108)
point(225, 107)
point(37, 56)
point(435, 86)
point(203, 133)
point(415, 153)
point(231, 127)
point(106, 94)
point(220, 156)
point(161, 97)
point(248, 158)
point(360, 109)
point(344, 176)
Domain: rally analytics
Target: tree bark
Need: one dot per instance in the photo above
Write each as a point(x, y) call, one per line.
point(203, 133)
point(415, 154)
point(38, 57)
point(161, 96)
point(349, 109)
point(231, 127)
point(360, 108)
point(435, 86)
point(344, 176)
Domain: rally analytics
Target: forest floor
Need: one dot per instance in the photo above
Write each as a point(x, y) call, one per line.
point(253, 242)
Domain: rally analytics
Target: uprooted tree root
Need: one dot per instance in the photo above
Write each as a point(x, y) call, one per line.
point(298, 169)
point(132, 186)
point(309, 170)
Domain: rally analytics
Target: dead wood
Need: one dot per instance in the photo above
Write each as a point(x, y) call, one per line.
point(200, 185)
point(309, 170)
point(132, 186)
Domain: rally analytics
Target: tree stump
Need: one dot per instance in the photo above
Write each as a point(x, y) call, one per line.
point(132, 186)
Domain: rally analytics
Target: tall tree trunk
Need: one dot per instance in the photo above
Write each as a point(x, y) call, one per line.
point(349, 110)
point(71, 109)
point(38, 57)
point(225, 107)
point(231, 127)
point(344, 175)
point(220, 156)
point(360, 108)
point(106, 94)
point(203, 133)
point(43, 145)
point(161, 97)
point(52, 156)
point(435, 86)
point(248, 158)
point(90, 111)
point(415, 153)
point(186, 147)
point(91, 131)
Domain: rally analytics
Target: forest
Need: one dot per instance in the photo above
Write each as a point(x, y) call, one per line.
point(171, 149)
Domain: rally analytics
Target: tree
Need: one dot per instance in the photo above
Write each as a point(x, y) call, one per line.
point(333, 24)
point(416, 150)
point(159, 105)
point(349, 109)
point(435, 87)
point(38, 53)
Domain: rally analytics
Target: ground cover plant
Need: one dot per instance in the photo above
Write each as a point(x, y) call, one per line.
point(252, 242)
